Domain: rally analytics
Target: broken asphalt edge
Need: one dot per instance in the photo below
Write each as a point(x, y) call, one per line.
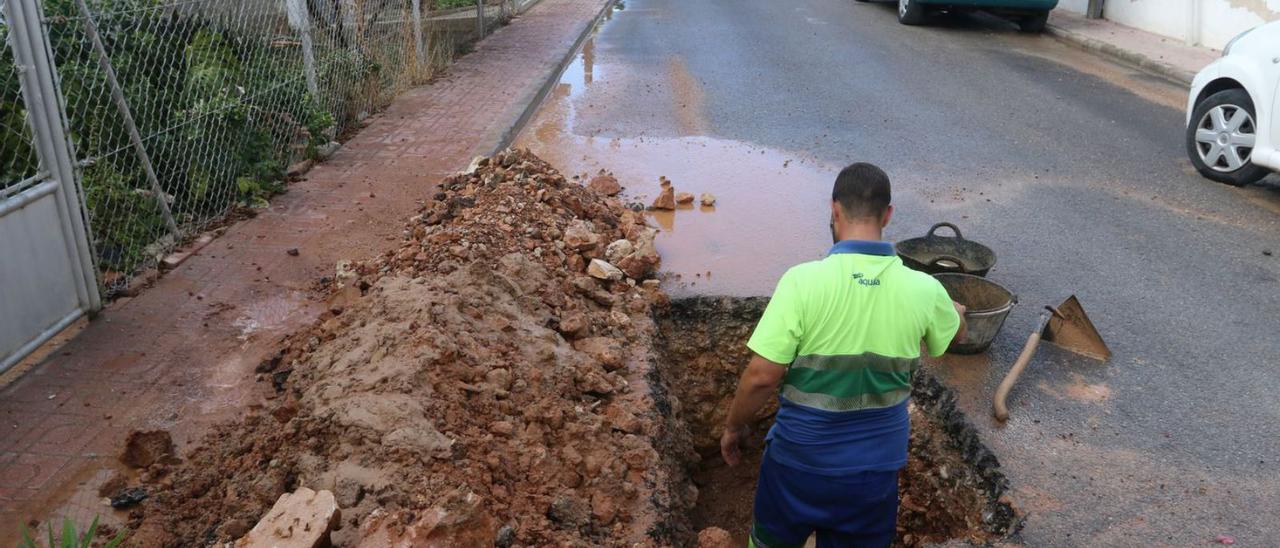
point(534, 99)
point(1158, 68)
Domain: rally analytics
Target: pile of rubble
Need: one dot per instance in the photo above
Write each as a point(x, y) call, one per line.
point(484, 383)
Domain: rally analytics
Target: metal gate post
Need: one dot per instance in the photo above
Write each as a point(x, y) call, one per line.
point(47, 115)
point(417, 34)
point(301, 22)
point(1094, 9)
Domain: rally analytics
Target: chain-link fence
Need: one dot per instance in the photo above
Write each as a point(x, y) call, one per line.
point(182, 110)
point(18, 164)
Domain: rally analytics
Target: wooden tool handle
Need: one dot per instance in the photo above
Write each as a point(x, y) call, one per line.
point(1002, 393)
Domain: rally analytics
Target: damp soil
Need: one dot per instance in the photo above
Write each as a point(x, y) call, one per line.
point(479, 370)
point(951, 490)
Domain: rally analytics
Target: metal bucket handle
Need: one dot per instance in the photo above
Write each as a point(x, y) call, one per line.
point(953, 228)
point(959, 267)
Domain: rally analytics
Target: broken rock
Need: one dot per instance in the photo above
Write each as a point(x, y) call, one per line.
point(684, 198)
point(621, 419)
point(301, 519)
point(617, 250)
point(568, 510)
point(604, 350)
point(666, 199)
point(573, 325)
point(645, 259)
point(345, 273)
point(606, 184)
point(602, 270)
point(708, 199)
point(580, 236)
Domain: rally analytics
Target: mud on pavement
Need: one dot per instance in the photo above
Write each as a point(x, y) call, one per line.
point(511, 374)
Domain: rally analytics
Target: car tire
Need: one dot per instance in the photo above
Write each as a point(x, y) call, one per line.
point(910, 12)
point(1034, 22)
point(1216, 162)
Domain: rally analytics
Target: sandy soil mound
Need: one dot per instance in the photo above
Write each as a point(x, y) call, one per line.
point(474, 386)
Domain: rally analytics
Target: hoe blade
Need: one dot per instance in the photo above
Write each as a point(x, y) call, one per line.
point(1071, 329)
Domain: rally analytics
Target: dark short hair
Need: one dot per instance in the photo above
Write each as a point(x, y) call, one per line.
point(862, 191)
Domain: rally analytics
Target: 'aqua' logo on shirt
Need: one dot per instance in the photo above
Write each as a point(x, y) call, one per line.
point(862, 280)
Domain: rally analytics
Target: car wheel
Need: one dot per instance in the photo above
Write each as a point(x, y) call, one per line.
point(1034, 22)
point(910, 12)
point(1221, 136)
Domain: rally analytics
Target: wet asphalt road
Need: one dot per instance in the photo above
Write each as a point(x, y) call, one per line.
point(1069, 166)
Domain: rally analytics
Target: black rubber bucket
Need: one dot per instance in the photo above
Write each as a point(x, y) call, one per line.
point(937, 254)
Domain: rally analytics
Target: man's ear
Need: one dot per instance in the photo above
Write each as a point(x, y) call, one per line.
point(837, 212)
point(888, 213)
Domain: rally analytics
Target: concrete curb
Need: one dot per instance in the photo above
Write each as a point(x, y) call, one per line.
point(535, 99)
point(1159, 68)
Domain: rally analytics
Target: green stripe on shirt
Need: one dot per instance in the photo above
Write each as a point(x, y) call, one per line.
point(857, 362)
point(832, 403)
point(849, 382)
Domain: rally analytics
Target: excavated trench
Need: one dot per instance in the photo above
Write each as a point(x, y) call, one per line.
point(951, 490)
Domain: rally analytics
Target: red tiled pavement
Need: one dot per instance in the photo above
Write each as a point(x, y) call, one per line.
point(180, 356)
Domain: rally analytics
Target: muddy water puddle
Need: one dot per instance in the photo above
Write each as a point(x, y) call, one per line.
point(952, 488)
point(769, 210)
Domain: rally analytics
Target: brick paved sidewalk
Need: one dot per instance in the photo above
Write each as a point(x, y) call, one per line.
point(181, 355)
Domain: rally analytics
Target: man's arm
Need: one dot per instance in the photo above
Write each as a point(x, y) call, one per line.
point(964, 324)
point(758, 384)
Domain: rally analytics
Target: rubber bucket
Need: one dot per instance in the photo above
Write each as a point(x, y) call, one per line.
point(936, 254)
point(988, 305)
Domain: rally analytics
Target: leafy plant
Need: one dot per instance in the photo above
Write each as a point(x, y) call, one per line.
point(70, 538)
point(450, 4)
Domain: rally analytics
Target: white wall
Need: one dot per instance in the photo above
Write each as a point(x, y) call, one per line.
point(1224, 19)
point(1078, 6)
point(1210, 23)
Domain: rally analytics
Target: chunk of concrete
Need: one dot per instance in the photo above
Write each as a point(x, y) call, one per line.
point(301, 519)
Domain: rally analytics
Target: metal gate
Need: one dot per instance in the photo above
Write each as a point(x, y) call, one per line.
point(47, 277)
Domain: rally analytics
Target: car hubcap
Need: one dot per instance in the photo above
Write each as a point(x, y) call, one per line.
point(902, 7)
point(1225, 137)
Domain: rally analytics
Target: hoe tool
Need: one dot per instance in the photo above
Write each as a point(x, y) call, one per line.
point(1066, 326)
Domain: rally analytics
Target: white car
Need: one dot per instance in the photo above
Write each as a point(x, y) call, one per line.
point(1233, 114)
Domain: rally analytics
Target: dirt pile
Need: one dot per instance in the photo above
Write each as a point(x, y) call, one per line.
point(498, 379)
point(473, 386)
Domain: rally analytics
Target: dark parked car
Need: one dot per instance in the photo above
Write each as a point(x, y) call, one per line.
point(1031, 15)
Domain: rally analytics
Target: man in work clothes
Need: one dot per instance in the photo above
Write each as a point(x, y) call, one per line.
point(842, 338)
